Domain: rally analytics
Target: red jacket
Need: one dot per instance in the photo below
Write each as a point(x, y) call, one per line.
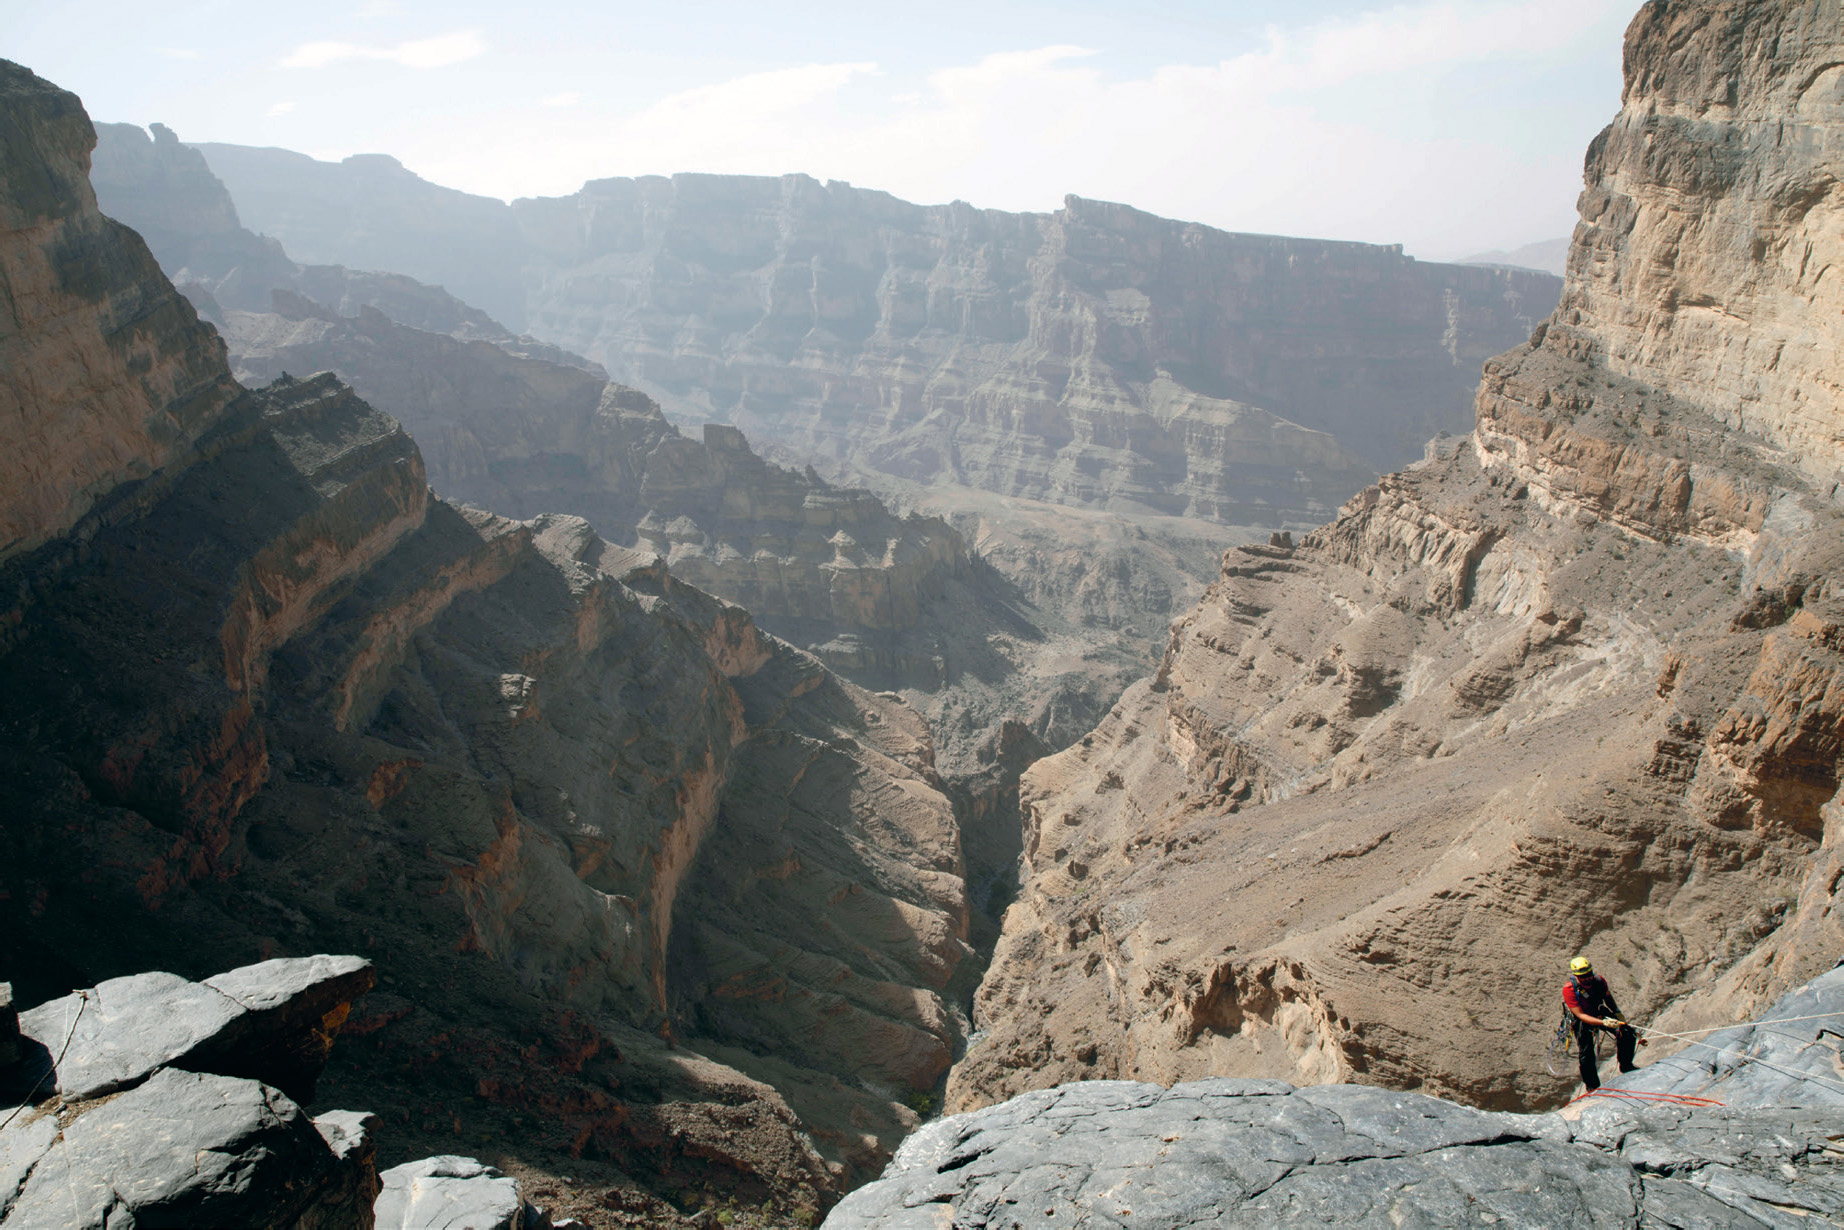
point(1589, 994)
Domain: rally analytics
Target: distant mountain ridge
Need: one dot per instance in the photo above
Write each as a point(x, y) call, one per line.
point(1097, 356)
point(1546, 255)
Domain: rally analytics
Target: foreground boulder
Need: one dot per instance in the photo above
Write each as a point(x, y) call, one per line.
point(1243, 1152)
point(200, 1133)
point(439, 1192)
point(274, 1022)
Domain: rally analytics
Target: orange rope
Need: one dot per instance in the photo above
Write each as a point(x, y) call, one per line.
point(1677, 1099)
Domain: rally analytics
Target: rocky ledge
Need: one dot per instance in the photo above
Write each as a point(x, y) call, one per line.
point(1756, 1148)
point(151, 1100)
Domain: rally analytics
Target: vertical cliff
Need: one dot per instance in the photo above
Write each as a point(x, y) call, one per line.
point(132, 353)
point(1572, 684)
point(1097, 356)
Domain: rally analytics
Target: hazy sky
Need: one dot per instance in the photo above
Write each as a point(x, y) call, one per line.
point(1447, 127)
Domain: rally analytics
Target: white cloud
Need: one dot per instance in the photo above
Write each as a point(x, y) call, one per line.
point(281, 108)
point(177, 53)
point(569, 98)
point(437, 52)
point(1340, 128)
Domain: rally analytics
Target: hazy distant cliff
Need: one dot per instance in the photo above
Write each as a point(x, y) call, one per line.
point(1097, 355)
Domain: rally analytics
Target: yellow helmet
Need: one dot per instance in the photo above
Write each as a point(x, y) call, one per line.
point(1581, 965)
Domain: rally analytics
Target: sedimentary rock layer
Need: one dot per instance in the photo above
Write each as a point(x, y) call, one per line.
point(1573, 683)
point(1096, 355)
point(150, 377)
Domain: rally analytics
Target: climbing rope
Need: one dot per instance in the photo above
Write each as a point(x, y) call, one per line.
point(1675, 1099)
point(1784, 1020)
point(83, 999)
point(1747, 1058)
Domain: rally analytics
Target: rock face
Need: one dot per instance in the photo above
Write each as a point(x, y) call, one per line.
point(151, 378)
point(1570, 684)
point(1703, 272)
point(272, 694)
point(165, 191)
point(827, 568)
point(1096, 356)
point(199, 1134)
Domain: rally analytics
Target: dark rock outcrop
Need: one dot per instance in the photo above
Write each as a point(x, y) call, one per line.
point(273, 1022)
point(268, 696)
point(198, 1133)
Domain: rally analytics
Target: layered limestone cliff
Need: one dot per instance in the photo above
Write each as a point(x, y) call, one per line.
point(648, 890)
point(1573, 683)
point(1097, 355)
point(130, 350)
point(828, 568)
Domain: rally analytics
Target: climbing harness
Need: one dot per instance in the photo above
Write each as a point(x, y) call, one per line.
point(1561, 1049)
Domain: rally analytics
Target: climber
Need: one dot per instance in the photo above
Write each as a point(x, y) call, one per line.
point(1586, 997)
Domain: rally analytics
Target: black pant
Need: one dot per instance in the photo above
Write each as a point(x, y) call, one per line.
point(1625, 1039)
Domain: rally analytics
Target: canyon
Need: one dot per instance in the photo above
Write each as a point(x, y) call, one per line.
point(1097, 356)
point(1569, 683)
point(994, 733)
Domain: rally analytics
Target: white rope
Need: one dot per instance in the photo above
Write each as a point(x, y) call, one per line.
point(1746, 1058)
point(1784, 1020)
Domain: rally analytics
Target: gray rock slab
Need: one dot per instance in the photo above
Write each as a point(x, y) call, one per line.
point(295, 1007)
point(181, 1149)
point(448, 1193)
point(25, 1139)
point(272, 1022)
point(1778, 1060)
point(114, 1034)
point(1204, 1154)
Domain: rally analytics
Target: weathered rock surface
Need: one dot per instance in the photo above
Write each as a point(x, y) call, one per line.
point(1262, 1152)
point(440, 1192)
point(1571, 683)
point(183, 1148)
point(132, 353)
point(274, 1022)
point(275, 698)
point(1096, 356)
point(1788, 1057)
point(828, 568)
point(196, 1133)
point(1228, 1152)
